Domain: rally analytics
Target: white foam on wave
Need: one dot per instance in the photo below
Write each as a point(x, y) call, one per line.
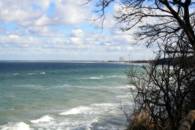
point(30, 73)
point(68, 124)
point(106, 77)
point(77, 110)
point(108, 108)
point(15, 74)
point(126, 96)
point(44, 119)
point(96, 77)
point(90, 114)
point(116, 76)
point(63, 86)
point(105, 104)
point(127, 87)
point(96, 108)
point(32, 86)
point(17, 126)
point(42, 73)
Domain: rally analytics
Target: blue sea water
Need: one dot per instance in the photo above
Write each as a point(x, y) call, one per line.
point(63, 96)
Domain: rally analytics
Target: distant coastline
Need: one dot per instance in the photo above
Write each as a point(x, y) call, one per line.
point(77, 61)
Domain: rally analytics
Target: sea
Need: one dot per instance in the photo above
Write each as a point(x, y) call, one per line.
point(64, 96)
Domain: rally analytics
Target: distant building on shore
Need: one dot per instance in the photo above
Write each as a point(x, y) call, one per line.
point(121, 59)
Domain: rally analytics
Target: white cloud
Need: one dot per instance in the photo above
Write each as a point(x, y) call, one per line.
point(77, 33)
point(39, 39)
point(42, 21)
point(22, 11)
point(13, 37)
point(72, 11)
point(33, 13)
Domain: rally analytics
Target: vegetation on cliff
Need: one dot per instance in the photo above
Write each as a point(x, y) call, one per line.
point(165, 95)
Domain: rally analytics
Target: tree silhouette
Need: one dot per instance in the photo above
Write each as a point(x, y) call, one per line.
point(167, 91)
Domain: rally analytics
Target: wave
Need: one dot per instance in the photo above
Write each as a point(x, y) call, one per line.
point(101, 87)
point(116, 76)
point(32, 86)
point(105, 77)
point(31, 73)
point(88, 117)
point(42, 73)
point(16, 126)
point(126, 96)
point(15, 74)
point(43, 119)
point(97, 77)
point(127, 87)
point(77, 110)
point(92, 109)
point(36, 73)
point(67, 124)
point(105, 104)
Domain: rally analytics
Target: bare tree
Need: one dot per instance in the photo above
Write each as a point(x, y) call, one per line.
point(164, 91)
point(167, 91)
point(174, 18)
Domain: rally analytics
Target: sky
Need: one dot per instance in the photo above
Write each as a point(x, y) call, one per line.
point(63, 30)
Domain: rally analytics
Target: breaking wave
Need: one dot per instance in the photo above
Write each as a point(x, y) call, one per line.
point(16, 126)
point(43, 119)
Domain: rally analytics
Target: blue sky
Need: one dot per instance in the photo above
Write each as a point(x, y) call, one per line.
point(62, 30)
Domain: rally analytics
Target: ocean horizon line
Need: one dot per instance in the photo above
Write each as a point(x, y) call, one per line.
point(63, 61)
